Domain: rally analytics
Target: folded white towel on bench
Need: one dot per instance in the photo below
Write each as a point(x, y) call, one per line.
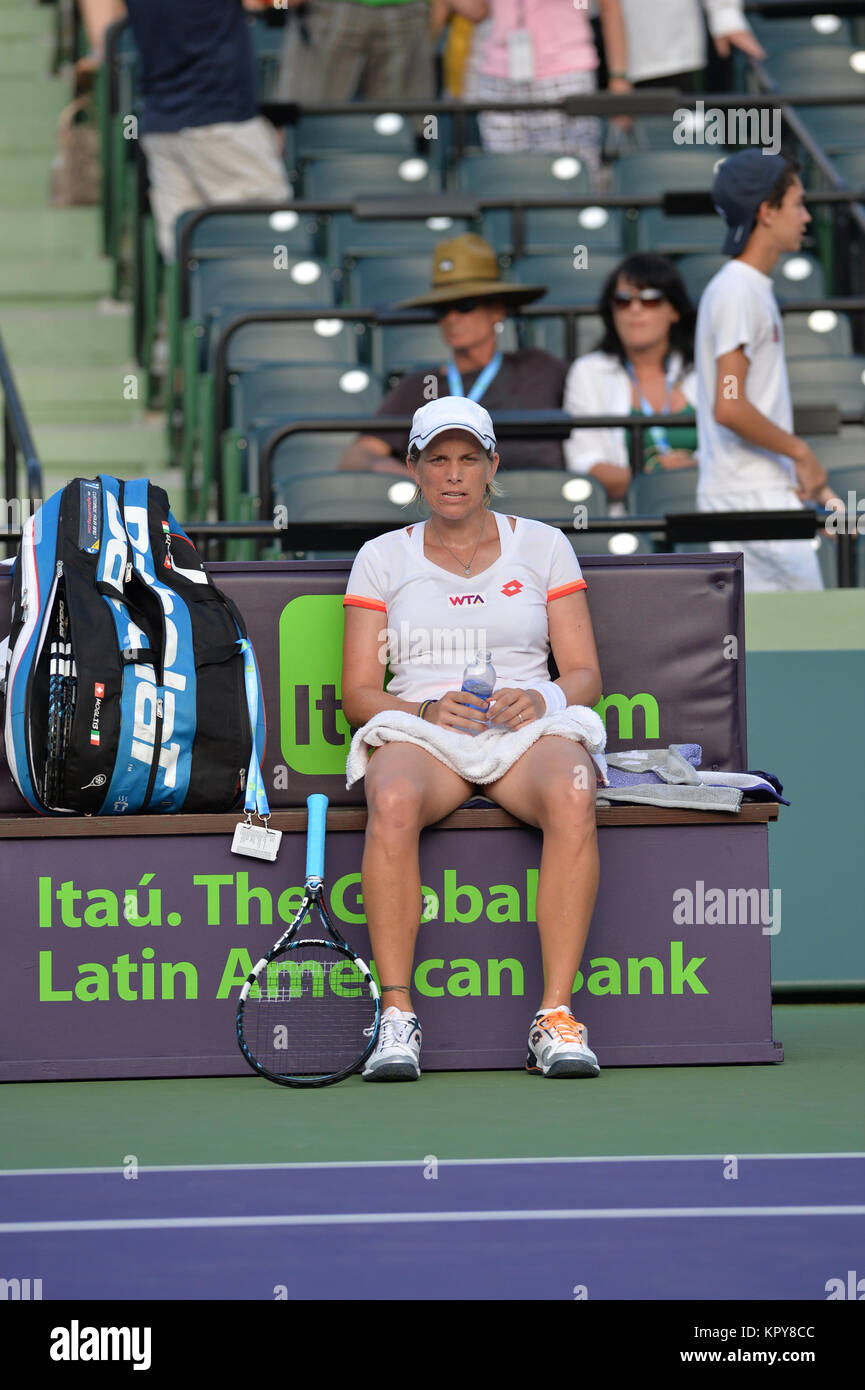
point(479, 758)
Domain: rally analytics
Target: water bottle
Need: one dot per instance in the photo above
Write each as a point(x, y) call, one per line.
point(479, 677)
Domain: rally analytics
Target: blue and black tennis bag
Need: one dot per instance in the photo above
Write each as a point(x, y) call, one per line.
point(131, 684)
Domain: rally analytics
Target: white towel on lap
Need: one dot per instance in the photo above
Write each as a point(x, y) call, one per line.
point(479, 758)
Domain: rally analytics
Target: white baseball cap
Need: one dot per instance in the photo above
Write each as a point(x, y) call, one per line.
point(452, 413)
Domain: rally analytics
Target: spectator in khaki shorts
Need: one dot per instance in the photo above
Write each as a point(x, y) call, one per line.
point(200, 131)
point(372, 50)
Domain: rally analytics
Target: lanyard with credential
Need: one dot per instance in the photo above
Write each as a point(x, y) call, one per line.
point(455, 381)
point(657, 432)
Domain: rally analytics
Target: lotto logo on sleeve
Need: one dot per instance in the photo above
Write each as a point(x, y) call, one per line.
point(513, 586)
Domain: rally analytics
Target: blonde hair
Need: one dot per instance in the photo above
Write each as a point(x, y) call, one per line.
point(492, 488)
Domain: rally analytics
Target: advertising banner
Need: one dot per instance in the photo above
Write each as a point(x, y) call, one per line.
point(126, 957)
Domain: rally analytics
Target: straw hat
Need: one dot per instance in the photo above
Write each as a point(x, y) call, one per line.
point(466, 268)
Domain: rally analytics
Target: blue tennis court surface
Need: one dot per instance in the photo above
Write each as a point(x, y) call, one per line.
point(757, 1227)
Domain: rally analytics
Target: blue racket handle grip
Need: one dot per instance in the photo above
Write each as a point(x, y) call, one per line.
point(317, 808)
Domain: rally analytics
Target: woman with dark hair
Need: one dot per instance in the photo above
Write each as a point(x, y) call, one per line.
point(644, 364)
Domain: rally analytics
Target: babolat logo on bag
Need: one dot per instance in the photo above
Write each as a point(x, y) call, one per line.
point(126, 682)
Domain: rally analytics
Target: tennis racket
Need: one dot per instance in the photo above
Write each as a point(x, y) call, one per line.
point(62, 687)
point(309, 1012)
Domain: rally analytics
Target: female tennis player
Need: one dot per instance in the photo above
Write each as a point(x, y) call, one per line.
point(417, 598)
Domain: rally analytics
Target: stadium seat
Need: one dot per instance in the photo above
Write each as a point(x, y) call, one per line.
point(248, 233)
point(820, 332)
point(350, 236)
point(622, 542)
point(848, 479)
point(323, 137)
point(678, 168)
point(303, 454)
point(664, 492)
point(825, 68)
point(796, 276)
point(377, 281)
point(347, 496)
point(799, 275)
point(268, 392)
point(556, 229)
point(697, 270)
point(246, 282)
point(550, 333)
point(412, 347)
point(548, 494)
point(838, 380)
point(523, 175)
point(568, 281)
point(838, 452)
point(816, 31)
point(653, 171)
point(851, 166)
point(676, 236)
point(323, 340)
point(367, 175)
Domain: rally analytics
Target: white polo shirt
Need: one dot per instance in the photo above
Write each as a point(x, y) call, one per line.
point(435, 622)
point(738, 308)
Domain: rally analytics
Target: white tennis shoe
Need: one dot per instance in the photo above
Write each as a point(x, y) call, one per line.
point(559, 1045)
point(397, 1052)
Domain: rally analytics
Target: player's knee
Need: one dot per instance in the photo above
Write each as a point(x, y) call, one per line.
point(394, 807)
point(568, 802)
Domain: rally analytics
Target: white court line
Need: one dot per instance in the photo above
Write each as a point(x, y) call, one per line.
point(416, 1163)
point(158, 1223)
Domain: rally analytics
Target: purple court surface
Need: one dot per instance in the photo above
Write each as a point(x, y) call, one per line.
point(754, 1227)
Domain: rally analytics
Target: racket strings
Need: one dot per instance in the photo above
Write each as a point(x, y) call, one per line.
point(314, 1014)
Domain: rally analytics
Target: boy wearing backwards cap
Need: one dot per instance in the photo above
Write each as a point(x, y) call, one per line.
point(750, 459)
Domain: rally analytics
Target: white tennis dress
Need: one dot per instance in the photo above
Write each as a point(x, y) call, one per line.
point(435, 622)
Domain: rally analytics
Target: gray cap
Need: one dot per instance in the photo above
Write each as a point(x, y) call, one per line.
point(742, 183)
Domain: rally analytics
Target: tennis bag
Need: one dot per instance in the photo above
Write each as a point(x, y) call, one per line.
point(131, 684)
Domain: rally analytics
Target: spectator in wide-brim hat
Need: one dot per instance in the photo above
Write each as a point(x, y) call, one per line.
point(471, 301)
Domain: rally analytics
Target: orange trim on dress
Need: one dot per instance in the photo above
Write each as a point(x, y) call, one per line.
point(357, 601)
point(566, 589)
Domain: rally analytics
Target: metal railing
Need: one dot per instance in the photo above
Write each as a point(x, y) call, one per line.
point(17, 440)
point(673, 529)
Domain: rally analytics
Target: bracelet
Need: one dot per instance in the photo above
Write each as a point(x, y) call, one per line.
point(623, 76)
point(424, 707)
point(553, 695)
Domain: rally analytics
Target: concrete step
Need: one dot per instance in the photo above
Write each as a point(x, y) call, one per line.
point(33, 279)
point(68, 336)
point(65, 233)
point(126, 451)
point(29, 57)
point(81, 395)
point(24, 179)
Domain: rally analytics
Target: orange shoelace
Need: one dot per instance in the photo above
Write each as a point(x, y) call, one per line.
point(563, 1023)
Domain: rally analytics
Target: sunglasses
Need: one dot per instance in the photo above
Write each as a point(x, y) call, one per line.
point(462, 306)
point(621, 298)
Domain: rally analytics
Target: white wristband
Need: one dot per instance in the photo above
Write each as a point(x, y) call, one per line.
point(554, 697)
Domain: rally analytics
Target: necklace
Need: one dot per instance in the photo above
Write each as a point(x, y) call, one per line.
point(466, 567)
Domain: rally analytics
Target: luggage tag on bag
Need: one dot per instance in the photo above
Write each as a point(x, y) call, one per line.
point(521, 56)
point(257, 841)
